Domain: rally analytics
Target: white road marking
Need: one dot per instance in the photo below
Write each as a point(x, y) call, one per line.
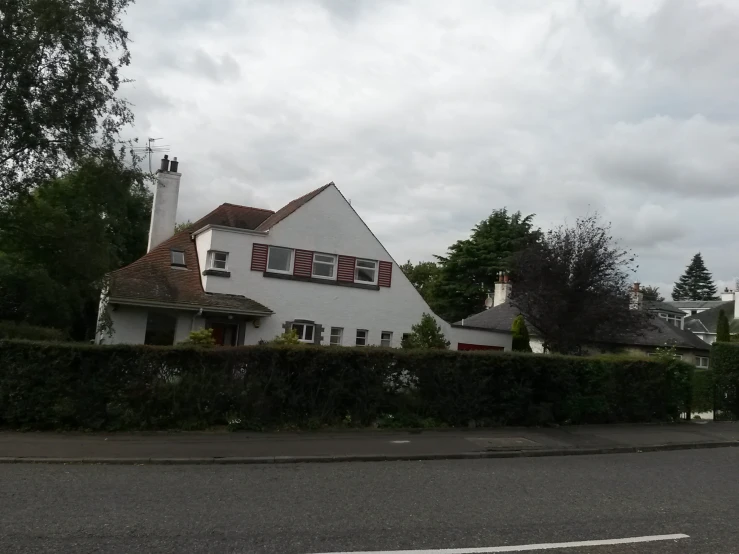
point(400, 442)
point(525, 547)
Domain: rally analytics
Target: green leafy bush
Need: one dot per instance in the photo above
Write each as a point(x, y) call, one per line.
point(73, 386)
point(725, 365)
point(425, 334)
point(288, 337)
point(13, 330)
point(702, 390)
point(520, 335)
point(203, 338)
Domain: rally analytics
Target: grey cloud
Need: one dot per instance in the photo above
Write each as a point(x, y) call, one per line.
point(217, 68)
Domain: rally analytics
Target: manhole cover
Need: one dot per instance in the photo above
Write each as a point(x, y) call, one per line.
point(504, 442)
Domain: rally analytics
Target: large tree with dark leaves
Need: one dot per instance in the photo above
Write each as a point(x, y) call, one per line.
point(652, 294)
point(696, 283)
point(59, 73)
point(469, 269)
point(58, 242)
point(573, 286)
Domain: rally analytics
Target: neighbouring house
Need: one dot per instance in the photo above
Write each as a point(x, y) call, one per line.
point(665, 329)
point(250, 274)
point(695, 307)
point(703, 325)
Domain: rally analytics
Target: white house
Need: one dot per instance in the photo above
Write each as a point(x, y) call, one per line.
point(249, 274)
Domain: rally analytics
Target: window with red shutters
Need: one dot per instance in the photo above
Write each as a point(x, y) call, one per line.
point(259, 257)
point(345, 270)
point(303, 263)
point(385, 276)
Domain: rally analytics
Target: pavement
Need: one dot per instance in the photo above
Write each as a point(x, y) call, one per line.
point(370, 445)
point(424, 506)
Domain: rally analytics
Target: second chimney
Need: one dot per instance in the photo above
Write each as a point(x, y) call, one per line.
point(502, 290)
point(164, 208)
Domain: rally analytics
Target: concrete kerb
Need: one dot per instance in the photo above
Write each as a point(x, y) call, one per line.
point(263, 460)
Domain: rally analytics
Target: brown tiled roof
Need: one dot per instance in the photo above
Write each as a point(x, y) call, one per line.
point(286, 210)
point(233, 215)
point(152, 278)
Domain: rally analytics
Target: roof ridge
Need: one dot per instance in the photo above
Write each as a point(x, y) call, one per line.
point(291, 207)
point(247, 207)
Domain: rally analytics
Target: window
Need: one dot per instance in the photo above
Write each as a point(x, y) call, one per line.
point(386, 338)
point(280, 259)
point(365, 271)
point(218, 260)
point(676, 320)
point(324, 266)
point(178, 257)
point(304, 331)
point(362, 337)
point(337, 334)
point(701, 361)
point(160, 329)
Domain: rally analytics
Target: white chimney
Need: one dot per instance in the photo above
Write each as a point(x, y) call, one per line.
point(164, 209)
point(736, 304)
point(636, 297)
point(727, 295)
point(502, 290)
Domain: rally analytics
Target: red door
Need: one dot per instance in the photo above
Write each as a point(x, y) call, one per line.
point(467, 346)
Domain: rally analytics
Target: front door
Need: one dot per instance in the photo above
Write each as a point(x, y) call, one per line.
point(225, 334)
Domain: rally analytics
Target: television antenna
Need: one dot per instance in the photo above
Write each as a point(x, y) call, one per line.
point(152, 148)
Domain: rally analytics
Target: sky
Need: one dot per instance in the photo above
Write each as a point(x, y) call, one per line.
point(429, 114)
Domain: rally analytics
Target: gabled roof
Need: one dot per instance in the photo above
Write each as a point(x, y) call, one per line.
point(152, 280)
point(289, 208)
point(233, 215)
point(498, 318)
point(696, 304)
point(665, 307)
point(707, 320)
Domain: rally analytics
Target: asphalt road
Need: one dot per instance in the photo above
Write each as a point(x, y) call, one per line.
point(317, 508)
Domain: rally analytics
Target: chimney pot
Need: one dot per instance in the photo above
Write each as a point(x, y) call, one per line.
point(505, 278)
point(165, 163)
point(636, 286)
point(174, 165)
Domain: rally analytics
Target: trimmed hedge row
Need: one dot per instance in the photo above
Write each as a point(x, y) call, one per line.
point(72, 386)
point(725, 365)
point(702, 390)
point(13, 330)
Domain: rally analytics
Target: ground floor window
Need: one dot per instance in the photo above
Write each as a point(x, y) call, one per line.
point(304, 331)
point(224, 334)
point(160, 329)
point(701, 361)
point(337, 334)
point(362, 337)
point(386, 338)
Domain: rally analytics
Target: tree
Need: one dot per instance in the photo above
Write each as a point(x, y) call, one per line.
point(58, 243)
point(423, 276)
point(652, 294)
point(470, 268)
point(696, 283)
point(425, 334)
point(520, 335)
point(573, 286)
point(203, 338)
point(723, 333)
point(59, 74)
point(182, 226)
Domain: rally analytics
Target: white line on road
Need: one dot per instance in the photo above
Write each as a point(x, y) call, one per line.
point(525, 547)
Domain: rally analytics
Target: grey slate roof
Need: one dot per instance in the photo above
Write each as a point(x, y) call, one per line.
point(696, 304)
point(499, 318)
point(705, 322)
point(665, 307)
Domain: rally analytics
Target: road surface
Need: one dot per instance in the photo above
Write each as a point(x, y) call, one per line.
point(429, 507)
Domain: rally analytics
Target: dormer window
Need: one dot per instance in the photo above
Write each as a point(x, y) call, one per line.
point(218, 260)
point(177, 258)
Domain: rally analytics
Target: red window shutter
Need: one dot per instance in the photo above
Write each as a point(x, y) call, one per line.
point(259, 257)
point(345, 271)
point(385, 275)
point(303, 265)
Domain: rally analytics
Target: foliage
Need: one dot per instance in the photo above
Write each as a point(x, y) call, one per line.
point(470, 267)
point(78, 386)
point(520, 335)
point(58, 243)
point(423, 276)
point(59, 75)
point(702, 390)
point(185, 225)
point(696, 283)
point(573, 287)
point(725, 367)
point(723, 333)
point(425, 334)
point(288, 337)
point(14, 330)
point(652, 294)
point(202, 337)
point(666, 353)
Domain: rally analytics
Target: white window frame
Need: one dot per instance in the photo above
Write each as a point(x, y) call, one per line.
point(365, 338)
point(673, 319)
point(333, 265)
point(699, 359)
point(290, 262)
point(387, 342)
point(356, 271)
point(212, 259)
point(172, 257)
point(338, 334)
point(305, 326)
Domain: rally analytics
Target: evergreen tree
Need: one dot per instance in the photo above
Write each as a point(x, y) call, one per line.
point(426, 334)
point(722, 328)
point(520, 335)
point(696, 283)
point(652, 294)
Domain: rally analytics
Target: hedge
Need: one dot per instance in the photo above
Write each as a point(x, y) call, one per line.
point(725, 365)
point(702, 391)
point(13, 330)
point(74, 386)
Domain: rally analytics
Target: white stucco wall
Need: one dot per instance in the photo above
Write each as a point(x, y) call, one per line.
point(129, 325)
point(326, 224)
point(164, 208)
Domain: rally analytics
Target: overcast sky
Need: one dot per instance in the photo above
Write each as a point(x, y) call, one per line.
point(429, 114)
